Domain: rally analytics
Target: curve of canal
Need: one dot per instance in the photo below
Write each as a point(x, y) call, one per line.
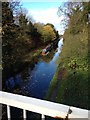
point(35, 82)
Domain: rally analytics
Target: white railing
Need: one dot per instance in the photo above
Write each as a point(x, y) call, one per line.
point(45, 108)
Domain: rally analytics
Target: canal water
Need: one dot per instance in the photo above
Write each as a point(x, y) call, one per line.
point(35, 82)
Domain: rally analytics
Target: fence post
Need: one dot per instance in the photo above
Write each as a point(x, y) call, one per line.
point(8, 112)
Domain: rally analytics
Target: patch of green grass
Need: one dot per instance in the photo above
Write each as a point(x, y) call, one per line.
point(52, 86)
point(73, 88)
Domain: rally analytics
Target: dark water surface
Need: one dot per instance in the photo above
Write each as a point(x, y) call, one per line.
point(35, 82)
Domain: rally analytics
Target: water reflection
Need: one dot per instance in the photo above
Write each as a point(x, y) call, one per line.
point(39, 79)
point(35, 82)
point(14, 83)
point(60, 44)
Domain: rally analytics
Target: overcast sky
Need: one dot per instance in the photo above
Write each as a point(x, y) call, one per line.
point(45, 12)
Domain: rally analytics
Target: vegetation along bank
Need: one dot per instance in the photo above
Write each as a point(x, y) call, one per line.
point(70, 82)
point(22, 38)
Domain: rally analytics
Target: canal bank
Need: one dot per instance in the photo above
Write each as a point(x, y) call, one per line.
point(34, 82)
point(71, 87)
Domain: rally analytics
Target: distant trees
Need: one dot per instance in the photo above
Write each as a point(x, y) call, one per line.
point(48, 32)
point(54, 30)
point(34, 34)
point(20, 34)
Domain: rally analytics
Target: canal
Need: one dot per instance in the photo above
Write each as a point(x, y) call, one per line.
point(35, 82)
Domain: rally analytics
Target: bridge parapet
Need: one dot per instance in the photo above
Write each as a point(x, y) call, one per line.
point(45, 108)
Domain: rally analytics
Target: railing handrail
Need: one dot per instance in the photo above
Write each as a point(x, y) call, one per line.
point(41, 106)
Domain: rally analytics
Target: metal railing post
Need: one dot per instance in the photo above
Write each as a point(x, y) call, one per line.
point(24, 114)
point(8, 112)
point(43, 117)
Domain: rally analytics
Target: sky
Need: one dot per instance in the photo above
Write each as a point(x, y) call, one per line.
point(45, 12)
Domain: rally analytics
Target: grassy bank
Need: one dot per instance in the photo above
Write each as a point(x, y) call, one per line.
point(71, 86)
point(52, 86)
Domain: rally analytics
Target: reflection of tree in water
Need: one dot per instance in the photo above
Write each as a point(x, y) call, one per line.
point(15, 84)
point(35, 60)
point(25, 74)
point(48, 57)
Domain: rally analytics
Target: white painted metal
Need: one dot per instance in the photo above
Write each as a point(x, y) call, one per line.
point(78, 113)
point(89, 115)
point(43, 117)
point(0, 112)
point(24, 114)
point(35, 105)
point(43, 107)
point(8, 112)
